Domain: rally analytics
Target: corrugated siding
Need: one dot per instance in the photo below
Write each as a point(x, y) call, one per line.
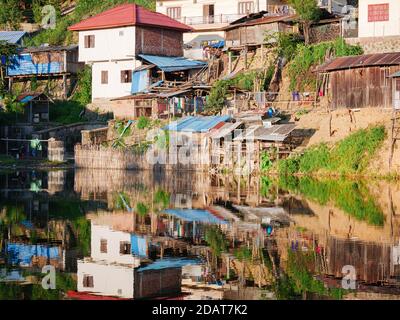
point(23, 65)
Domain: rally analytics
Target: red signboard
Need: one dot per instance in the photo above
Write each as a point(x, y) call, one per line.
point(378, 12)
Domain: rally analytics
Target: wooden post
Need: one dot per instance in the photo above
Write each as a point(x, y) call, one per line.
point(230, 62)
point(65, 93)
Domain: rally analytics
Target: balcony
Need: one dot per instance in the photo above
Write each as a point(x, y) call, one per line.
point(215, 19)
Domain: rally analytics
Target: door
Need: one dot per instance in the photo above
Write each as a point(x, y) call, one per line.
point(396, 96)
point(208, 13)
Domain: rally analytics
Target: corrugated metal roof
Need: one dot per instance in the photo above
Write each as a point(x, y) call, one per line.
point(168, 263)
point(277, 132)
point(129, 15)
point(196, 124)
point(367, 60)
point(203, 216)
point(50, 48)
point(12, 37)
point(24, 65)
point(170, 64)
point(227, 129)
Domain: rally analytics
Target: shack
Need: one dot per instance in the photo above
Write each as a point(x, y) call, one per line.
point(37, 107)
point(251, 30)
point(359, 81)
point(57, 63)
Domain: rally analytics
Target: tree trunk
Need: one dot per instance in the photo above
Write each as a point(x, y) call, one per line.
point(306, 30)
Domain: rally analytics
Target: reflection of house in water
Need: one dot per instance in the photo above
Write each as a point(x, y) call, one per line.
point(120, 264)
point(374, 262)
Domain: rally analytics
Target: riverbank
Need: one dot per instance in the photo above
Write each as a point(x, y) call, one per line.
point(9, 163)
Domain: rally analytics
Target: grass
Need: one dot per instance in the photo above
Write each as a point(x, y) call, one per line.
point(349, 156)
point(67, 112)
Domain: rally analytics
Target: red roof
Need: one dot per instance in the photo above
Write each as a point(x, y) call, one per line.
point(129, 15)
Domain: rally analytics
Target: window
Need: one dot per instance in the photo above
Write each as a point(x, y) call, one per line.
point(174, 13)
point(88, 281)
point(126, 76)
point(89, 41)
point(378, 12)
point(104, 77)
point(124, 248)
point(246, 7)
point(103, 246)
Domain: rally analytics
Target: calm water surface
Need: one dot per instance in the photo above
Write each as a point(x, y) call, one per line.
point(145, 235)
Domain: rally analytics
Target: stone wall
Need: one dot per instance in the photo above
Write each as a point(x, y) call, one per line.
point(377, 45)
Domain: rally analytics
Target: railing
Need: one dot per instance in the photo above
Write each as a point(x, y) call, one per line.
point(215, 19)
point(273, 10)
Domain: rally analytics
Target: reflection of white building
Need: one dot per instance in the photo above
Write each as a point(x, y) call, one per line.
point(116, 268)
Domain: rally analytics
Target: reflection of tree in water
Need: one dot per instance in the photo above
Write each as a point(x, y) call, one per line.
point(352, 197)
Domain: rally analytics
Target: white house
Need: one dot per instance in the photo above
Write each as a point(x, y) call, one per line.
point(378, 18)
point(111, 42)
point(208, 18)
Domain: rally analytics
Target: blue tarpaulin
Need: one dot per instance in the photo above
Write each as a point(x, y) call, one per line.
point(167, 263)
point(196, 124)
point(170, 64)
point(191, 215)
point(139, 246)
point(218, 45)
point(22, 254)
point(24, 65)
point(140, 81)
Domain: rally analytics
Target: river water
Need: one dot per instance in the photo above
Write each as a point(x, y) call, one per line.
point(93, 234)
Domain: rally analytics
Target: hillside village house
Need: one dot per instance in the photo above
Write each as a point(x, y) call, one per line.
point(208, 18)
point(112, 42)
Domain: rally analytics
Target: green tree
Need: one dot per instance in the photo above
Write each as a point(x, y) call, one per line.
point(10, 14)
point(7, 51)
point(308, 12)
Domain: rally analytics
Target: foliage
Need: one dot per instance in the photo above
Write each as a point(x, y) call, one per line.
point(243, 254)
point(216, 100)
point(162, 199)
point(216, 240)
point(7, 51)
point(351, 197)
point(301, 279)
point(307, 56)
point(143, 123)
point(265, 187)
point(67, 112)
point(351, 155)
point(84, 93)
point(265, 161)
point(307, 12)
point(142, 209)
point(10, 14)
point(286, 43)
point(37, 6)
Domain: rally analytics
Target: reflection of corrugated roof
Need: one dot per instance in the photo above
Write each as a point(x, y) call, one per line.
point(367, 60)
point(196, 124)
point(191, 215)
point(12, 37)
point(170, 64)
point(168, 263)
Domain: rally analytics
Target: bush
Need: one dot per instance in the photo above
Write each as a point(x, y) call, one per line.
point(143, 123)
